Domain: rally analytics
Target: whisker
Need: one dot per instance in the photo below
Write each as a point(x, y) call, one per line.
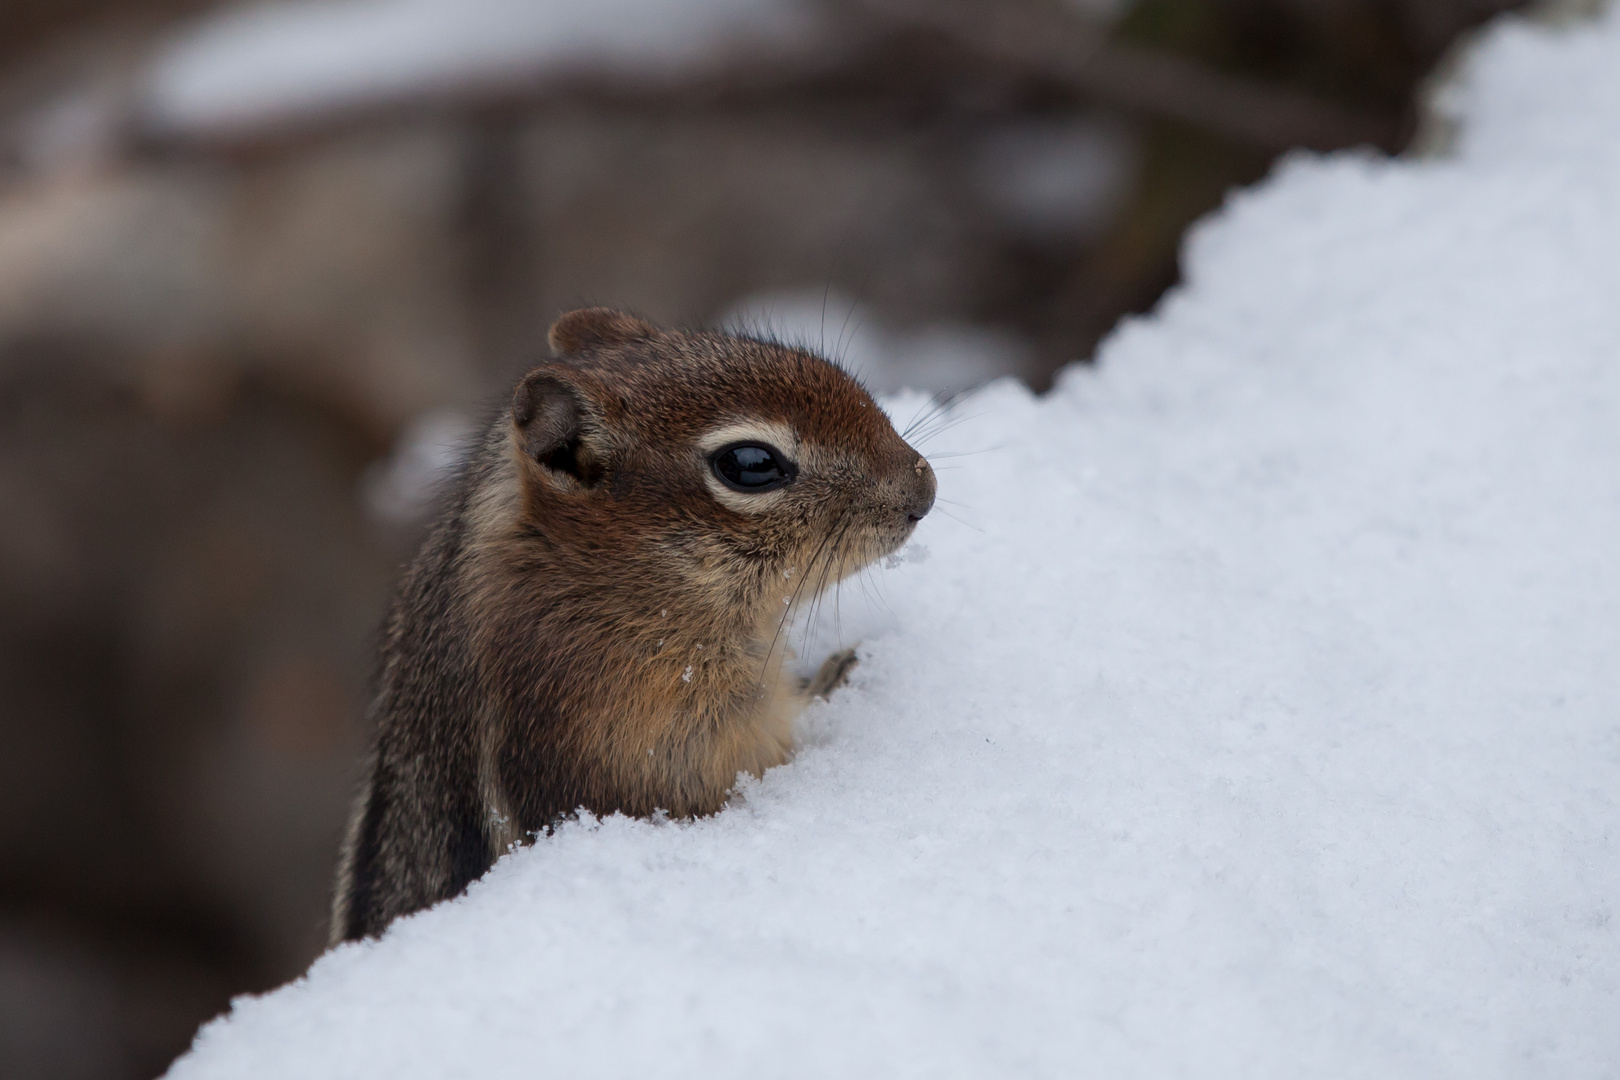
point(816, 595)
point(964, 453)
point(943, 425)
point(960, 521)
point(819, 598)
point(936, 407)
point(821, 331)
point(869, 575)
point(818, 568)
point(792, 604)
point(925, 412)
point(838, 611)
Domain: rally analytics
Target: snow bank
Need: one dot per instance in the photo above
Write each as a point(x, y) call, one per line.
point(1260, 716)
point(268, 63)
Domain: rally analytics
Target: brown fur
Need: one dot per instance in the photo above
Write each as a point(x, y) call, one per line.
point(596, 622)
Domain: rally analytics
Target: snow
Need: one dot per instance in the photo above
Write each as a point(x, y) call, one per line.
point(272, 63)
point(1260, 716)
point(401, 488)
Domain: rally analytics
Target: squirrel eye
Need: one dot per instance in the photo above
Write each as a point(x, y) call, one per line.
point(752, 467)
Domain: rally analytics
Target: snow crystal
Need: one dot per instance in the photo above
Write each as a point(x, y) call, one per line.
point(1260, 716)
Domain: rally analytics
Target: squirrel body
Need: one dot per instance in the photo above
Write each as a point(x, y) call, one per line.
point(596, 620)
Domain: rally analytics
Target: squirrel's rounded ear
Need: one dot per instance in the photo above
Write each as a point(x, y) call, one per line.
point(556, 429)
point(589, 328)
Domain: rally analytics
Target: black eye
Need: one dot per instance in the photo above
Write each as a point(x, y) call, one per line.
point(752, 467)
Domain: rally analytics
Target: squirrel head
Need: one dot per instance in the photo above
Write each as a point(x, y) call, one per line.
point(738, 464)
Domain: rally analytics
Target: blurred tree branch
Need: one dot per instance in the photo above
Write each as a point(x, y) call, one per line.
point(1050, 40)
point(1041, 39)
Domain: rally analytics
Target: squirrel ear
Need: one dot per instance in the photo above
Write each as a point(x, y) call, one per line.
point(586, 328)
point(551, 417)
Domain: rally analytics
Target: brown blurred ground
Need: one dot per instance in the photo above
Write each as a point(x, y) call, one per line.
point(206, 342)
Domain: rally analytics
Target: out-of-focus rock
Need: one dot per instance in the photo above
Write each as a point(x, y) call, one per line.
point(1055, 183)
point(678, 217)
point(185, 606)
point(333, 273)
point(387, 273)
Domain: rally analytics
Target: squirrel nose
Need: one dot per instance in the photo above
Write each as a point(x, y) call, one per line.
point(922, 494)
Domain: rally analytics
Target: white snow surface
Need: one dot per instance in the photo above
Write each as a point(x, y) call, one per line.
point(1259, 718)
point(271, 63)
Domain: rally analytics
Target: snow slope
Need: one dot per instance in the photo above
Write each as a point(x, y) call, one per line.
point(1259, 718)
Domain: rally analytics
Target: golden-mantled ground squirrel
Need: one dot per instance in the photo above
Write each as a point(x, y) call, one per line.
point(597, 619)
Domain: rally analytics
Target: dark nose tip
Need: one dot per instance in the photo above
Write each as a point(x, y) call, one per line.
point(922, 495)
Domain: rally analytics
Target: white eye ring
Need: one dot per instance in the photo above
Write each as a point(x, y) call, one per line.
point(774, 436)
point(778, 436)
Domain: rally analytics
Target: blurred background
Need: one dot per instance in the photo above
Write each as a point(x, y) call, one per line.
point(259, 266)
